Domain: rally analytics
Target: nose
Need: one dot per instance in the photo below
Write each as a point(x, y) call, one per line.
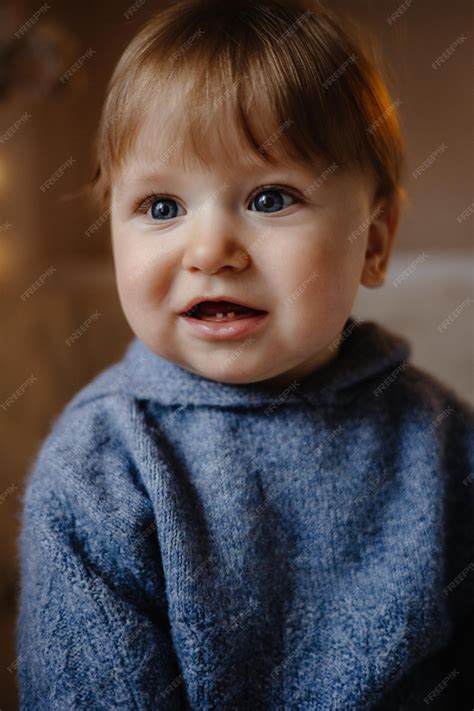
point(214, 243)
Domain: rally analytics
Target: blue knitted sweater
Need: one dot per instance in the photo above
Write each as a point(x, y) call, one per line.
point(191, 544)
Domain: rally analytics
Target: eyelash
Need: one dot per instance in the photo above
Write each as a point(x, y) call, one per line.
point(142, 204)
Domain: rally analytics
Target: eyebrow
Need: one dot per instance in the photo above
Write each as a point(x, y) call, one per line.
point(150, 176)
point(138, 181)
point(146, 177)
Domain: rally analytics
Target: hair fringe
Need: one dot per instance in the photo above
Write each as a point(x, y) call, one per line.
point(288, 52)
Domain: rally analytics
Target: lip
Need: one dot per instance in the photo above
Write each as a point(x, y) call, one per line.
point(224, 330)
point(198, 300)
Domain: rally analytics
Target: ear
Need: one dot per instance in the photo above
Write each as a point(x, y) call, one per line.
point(379, 241)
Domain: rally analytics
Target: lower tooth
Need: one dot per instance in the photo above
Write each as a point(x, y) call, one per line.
point(220, 316)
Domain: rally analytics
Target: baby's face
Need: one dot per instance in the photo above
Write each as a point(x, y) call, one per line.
point(278, 239)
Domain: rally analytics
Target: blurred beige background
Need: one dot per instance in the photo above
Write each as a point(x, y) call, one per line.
point(46, 123)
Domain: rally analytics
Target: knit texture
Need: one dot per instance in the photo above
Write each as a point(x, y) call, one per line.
point(192, 544)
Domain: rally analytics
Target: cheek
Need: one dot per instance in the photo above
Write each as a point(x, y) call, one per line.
point(143, 274)
point(315, 280)
point(315, 261)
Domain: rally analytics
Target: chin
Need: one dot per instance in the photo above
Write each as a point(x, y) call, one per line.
point(230, 374)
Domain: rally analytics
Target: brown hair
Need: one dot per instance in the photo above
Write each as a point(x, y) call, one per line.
point(291, 81)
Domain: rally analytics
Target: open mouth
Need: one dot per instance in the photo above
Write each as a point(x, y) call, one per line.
point(221, 311)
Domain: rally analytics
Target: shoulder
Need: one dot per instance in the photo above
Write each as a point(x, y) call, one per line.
point(86, 499)
point(87, 450)
point(431, 396)
point(87, 491)
point(426, 418)
point(421, 394)
point(433, 425)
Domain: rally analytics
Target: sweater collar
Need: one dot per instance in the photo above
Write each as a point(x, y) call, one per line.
point(367, 350)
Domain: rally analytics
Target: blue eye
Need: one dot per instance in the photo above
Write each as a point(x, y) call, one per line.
point(270, 200)
point(164, 209)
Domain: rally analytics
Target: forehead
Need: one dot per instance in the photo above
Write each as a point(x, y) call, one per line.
point(168, 143)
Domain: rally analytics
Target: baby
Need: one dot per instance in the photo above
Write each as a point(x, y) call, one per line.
point(264, 504)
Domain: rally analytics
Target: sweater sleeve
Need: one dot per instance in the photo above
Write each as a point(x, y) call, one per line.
point(92, 627)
